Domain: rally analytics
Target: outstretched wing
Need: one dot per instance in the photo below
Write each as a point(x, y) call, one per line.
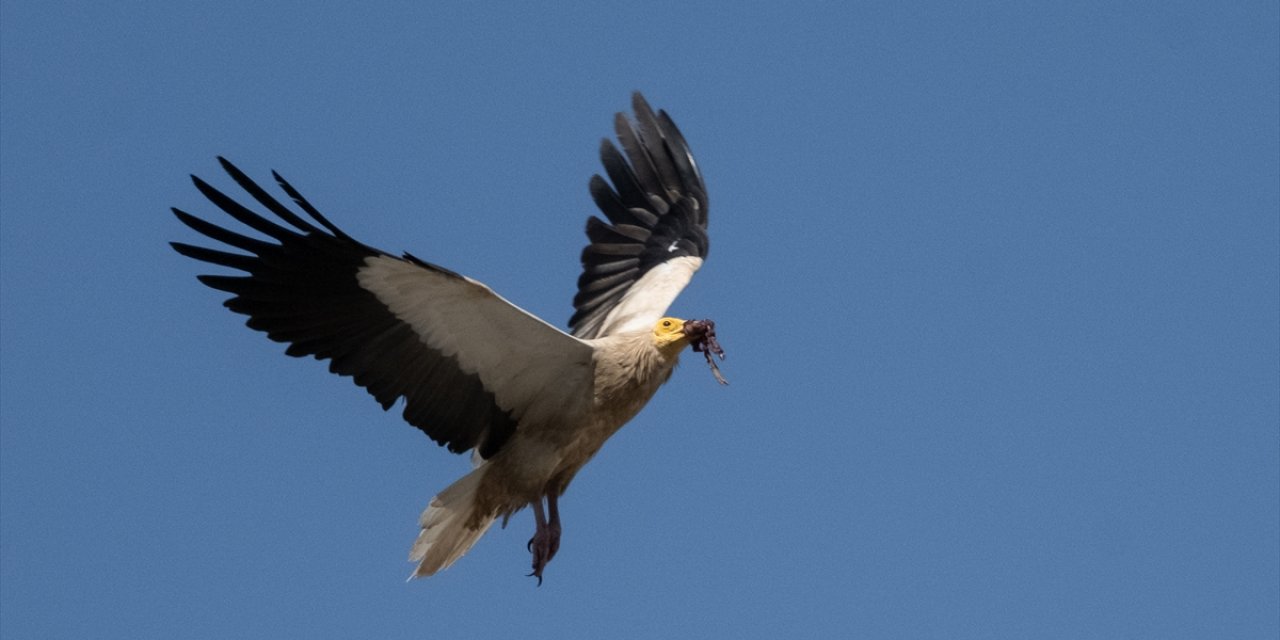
point(470, 365)
point(656, 234)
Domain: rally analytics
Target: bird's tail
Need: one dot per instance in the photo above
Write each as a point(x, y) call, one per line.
point(448, 526)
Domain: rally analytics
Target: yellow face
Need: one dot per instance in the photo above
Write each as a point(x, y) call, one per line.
point(669, 332)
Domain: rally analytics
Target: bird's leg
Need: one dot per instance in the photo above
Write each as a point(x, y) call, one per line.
point(553, 524)
point(546, 537)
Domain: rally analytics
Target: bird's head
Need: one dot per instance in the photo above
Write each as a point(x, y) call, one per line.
point(669, 333)
point(673, 334)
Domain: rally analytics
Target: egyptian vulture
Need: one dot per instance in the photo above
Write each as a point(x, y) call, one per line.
point(532, 402)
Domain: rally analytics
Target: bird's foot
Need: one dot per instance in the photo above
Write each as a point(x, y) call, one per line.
point(543, 545)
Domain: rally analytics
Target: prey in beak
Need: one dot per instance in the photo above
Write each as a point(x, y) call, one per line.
point(702, 336)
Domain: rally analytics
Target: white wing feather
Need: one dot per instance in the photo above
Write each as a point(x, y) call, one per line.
point(649, 298)
point(534, 370)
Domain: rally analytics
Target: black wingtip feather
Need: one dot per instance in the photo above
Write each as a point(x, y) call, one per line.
point(224, 236)
point(253, 189)
point(212, 256)
point(240, 213)
point(306, 206)
point(304, 290)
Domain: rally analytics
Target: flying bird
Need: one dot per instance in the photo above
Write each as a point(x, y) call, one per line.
point(531, 402)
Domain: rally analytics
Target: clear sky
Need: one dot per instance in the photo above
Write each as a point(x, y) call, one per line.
point(999, 285)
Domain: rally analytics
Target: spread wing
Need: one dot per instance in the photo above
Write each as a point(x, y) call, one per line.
point(656, 234)
point(470, 365)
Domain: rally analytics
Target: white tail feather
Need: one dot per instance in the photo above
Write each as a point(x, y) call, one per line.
point(445, 536)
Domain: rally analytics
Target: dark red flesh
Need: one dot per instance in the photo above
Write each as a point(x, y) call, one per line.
point(702, 336)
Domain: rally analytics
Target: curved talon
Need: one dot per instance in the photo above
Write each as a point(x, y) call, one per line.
point(546, 535)
point(544, 545)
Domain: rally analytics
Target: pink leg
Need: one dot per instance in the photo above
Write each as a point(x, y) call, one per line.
point(546, 536)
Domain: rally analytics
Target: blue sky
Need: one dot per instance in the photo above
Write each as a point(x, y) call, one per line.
point(999, 285)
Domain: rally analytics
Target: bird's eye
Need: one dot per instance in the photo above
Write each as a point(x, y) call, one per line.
point(666, 323)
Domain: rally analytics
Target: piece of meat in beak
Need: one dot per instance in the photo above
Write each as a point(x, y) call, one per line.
point(702, 336)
